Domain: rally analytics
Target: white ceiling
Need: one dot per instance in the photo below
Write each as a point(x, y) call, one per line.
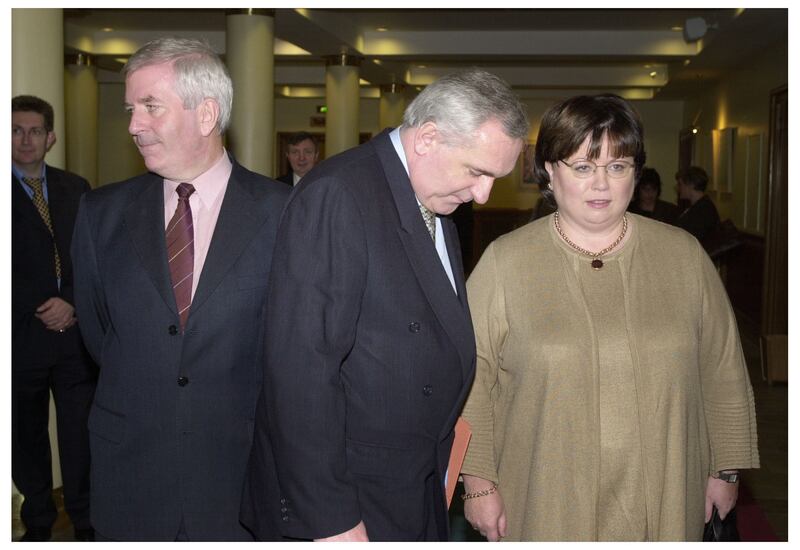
point(638, 53)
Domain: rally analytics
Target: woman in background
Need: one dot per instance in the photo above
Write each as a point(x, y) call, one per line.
point(646, 201)
point(611, 399)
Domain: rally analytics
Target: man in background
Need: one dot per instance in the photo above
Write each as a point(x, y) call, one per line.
point(46, 350)
point(370, 349)
point(171, 269)
point(302, 155)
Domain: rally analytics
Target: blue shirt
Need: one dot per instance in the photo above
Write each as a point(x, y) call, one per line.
point(19, 175)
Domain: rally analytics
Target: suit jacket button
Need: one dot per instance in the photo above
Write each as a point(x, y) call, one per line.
point(284, 501)
point(413, 326)
point(427, 390)
point(173, 330)
point(182, 381)
point(285, 518)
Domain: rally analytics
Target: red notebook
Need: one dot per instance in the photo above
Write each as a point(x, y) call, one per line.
point(463, 433)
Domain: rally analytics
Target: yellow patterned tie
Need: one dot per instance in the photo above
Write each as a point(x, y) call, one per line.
point(430, 221)
point(38, 200)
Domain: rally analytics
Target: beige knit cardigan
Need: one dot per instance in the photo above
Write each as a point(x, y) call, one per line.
point(534, 404)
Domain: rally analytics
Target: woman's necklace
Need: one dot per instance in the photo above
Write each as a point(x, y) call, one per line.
point(597, 263)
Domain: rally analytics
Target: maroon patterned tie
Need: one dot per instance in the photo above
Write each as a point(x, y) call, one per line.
point(180, 251)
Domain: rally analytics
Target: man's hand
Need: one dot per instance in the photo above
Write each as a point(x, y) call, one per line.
point(356, 534)
point(56, 314)
point(487, 514)
point(721, 494)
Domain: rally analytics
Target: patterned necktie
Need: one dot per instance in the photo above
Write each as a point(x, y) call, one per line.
point(180, 251)
point(430, 221)
point(38, 201)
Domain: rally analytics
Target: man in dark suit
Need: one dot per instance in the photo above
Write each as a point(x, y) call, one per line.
point(171, 270)
point(302, 155)
point(370, 349)
point(46, 350)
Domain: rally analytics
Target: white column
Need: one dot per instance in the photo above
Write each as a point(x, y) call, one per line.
point(249, 54)
point(81, 96)
point(37, 64)
point(342, 95)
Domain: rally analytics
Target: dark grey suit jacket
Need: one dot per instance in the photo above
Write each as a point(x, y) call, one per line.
point(370, 354)
point(33, 274)
point(172, 421)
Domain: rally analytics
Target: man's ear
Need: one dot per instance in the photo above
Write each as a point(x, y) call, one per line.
point(208, 116)
point(50, 141)
point(426, 138)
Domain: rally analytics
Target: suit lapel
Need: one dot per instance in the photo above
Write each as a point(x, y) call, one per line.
point(454, 253)
point(144, 218)
point(23, 204)
point(55, 196)
point(237, 223)
point(448, 308)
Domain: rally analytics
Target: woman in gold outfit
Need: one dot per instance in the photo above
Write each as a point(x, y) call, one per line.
point(611, 400)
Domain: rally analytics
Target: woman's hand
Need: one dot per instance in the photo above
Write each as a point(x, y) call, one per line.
point(486, 513)
point(721, 494)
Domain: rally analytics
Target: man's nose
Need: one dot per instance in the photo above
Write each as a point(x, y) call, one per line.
point(135, 125)
point(482, 189)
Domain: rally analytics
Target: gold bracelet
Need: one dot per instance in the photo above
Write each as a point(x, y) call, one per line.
point(476, 494)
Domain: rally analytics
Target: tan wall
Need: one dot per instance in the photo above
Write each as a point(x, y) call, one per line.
point(662, 123)
point(740, 101)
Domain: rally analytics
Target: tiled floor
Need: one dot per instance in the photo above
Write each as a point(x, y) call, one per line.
point(768, 485)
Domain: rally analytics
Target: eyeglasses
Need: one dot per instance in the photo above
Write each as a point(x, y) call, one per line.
point(584, 169)
point(36, 132)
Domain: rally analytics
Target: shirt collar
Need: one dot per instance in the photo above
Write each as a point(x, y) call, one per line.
point(209, 184)
point(19, 175)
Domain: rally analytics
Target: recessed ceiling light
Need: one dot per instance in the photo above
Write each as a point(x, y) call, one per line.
point(381, 29)
point(686, 62)
point(653, 74)
point(107, 29)
point(677, 28)
point(422, 66)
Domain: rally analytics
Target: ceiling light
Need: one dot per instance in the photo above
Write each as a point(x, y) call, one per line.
point(694, 130)
point(422, 66)
point(107, 29)
point(676, 28)
point(696, 28)
point(381, 29)
point(653, 74)
point(686, 62)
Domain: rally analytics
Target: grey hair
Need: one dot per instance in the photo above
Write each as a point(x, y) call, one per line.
point(460, 102)
point(199, 72)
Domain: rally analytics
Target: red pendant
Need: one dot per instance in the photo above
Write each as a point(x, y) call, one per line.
point(597, 264)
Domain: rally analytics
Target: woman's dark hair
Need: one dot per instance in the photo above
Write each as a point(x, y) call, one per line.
point(649, 177)
point(693, 176)
point(566, 125)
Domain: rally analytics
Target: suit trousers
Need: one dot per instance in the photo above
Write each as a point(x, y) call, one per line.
point(72, 379)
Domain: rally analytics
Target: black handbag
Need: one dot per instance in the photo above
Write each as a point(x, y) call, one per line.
point(721, 530)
